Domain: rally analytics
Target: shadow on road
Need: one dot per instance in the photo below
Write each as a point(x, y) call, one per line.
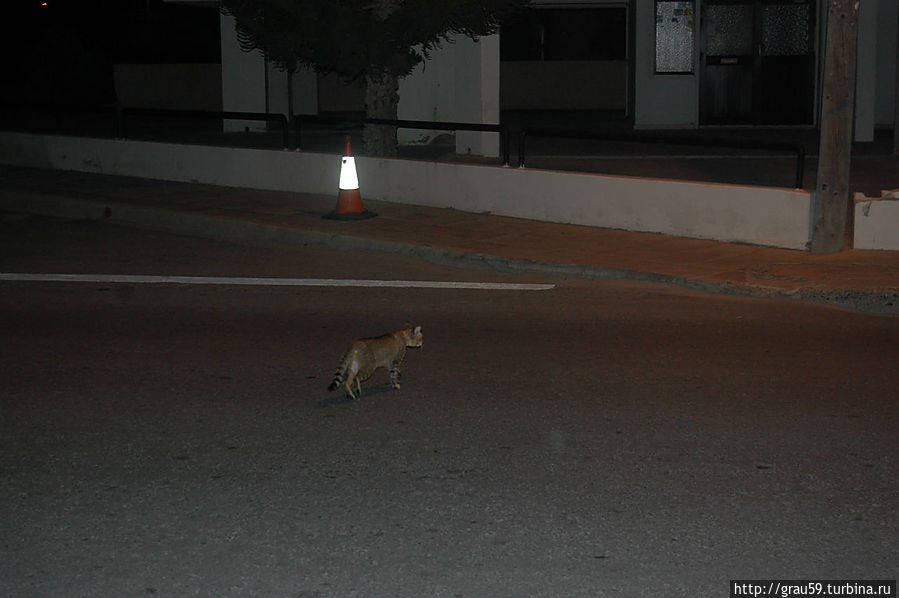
point(341, 398)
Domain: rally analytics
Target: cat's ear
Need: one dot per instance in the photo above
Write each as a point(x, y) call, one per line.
point(417, 330)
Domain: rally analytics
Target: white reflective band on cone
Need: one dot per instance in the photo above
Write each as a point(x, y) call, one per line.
point(348, 178)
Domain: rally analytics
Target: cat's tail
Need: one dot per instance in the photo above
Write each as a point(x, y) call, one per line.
point(339, 375)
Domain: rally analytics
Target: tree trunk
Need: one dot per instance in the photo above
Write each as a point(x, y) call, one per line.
point(381, 100)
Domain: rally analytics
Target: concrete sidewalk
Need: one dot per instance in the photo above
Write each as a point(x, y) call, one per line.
point(861, 280)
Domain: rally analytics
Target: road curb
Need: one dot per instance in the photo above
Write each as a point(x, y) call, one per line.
point(231, 229)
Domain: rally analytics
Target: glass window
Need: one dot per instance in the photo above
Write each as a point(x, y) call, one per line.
point(674, 36)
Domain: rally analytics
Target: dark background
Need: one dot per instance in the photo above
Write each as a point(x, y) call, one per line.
point(63, 52)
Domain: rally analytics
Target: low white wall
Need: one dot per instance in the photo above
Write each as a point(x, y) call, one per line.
point(764, 216)
point(230, 167)
point(877, 224)
point(758, 215)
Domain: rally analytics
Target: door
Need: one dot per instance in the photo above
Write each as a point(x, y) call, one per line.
point(757, 62)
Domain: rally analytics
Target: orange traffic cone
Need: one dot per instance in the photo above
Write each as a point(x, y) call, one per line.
point(349, 200)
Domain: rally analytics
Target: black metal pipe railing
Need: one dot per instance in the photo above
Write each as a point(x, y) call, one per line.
point(18, 109)
point(503, 131)
point(123, 114)
point(794, 148)
point(120, 116)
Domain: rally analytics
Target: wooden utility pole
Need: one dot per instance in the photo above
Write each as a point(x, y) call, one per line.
point(832, 202)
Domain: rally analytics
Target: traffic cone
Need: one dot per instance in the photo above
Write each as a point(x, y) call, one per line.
point(349, 200)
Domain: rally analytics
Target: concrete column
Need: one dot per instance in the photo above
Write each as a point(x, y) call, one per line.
point(477, 93)
point(428, 93)
point(460, 83)
point(887, 53)
point(866, 71)
point(305, 92)
point(243, 80)
point(277, 90)
point(662, 100)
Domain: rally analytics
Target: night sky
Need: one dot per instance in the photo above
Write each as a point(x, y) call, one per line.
point(74, 43)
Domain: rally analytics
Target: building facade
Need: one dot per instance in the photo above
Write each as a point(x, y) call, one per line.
point(649, 63)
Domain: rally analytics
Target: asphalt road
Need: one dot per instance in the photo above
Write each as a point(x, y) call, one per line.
point(593, 439)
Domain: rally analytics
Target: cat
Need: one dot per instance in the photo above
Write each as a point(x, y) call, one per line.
point(368, 354)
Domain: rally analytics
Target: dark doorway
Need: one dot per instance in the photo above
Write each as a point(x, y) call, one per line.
point(758, 62)
point(556, 60)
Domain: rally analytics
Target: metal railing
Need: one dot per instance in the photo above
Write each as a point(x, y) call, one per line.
point(503, 131)
point(21, 110)
point(698, 141)
point(120, 116)
point(123, 114)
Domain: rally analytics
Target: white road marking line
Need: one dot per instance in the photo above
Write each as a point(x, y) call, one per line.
point(274, 282)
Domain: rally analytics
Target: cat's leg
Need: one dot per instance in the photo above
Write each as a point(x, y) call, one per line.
point(348, 384)
point(395, 375)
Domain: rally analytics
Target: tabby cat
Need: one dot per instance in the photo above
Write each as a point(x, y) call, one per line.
point(368, 354)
